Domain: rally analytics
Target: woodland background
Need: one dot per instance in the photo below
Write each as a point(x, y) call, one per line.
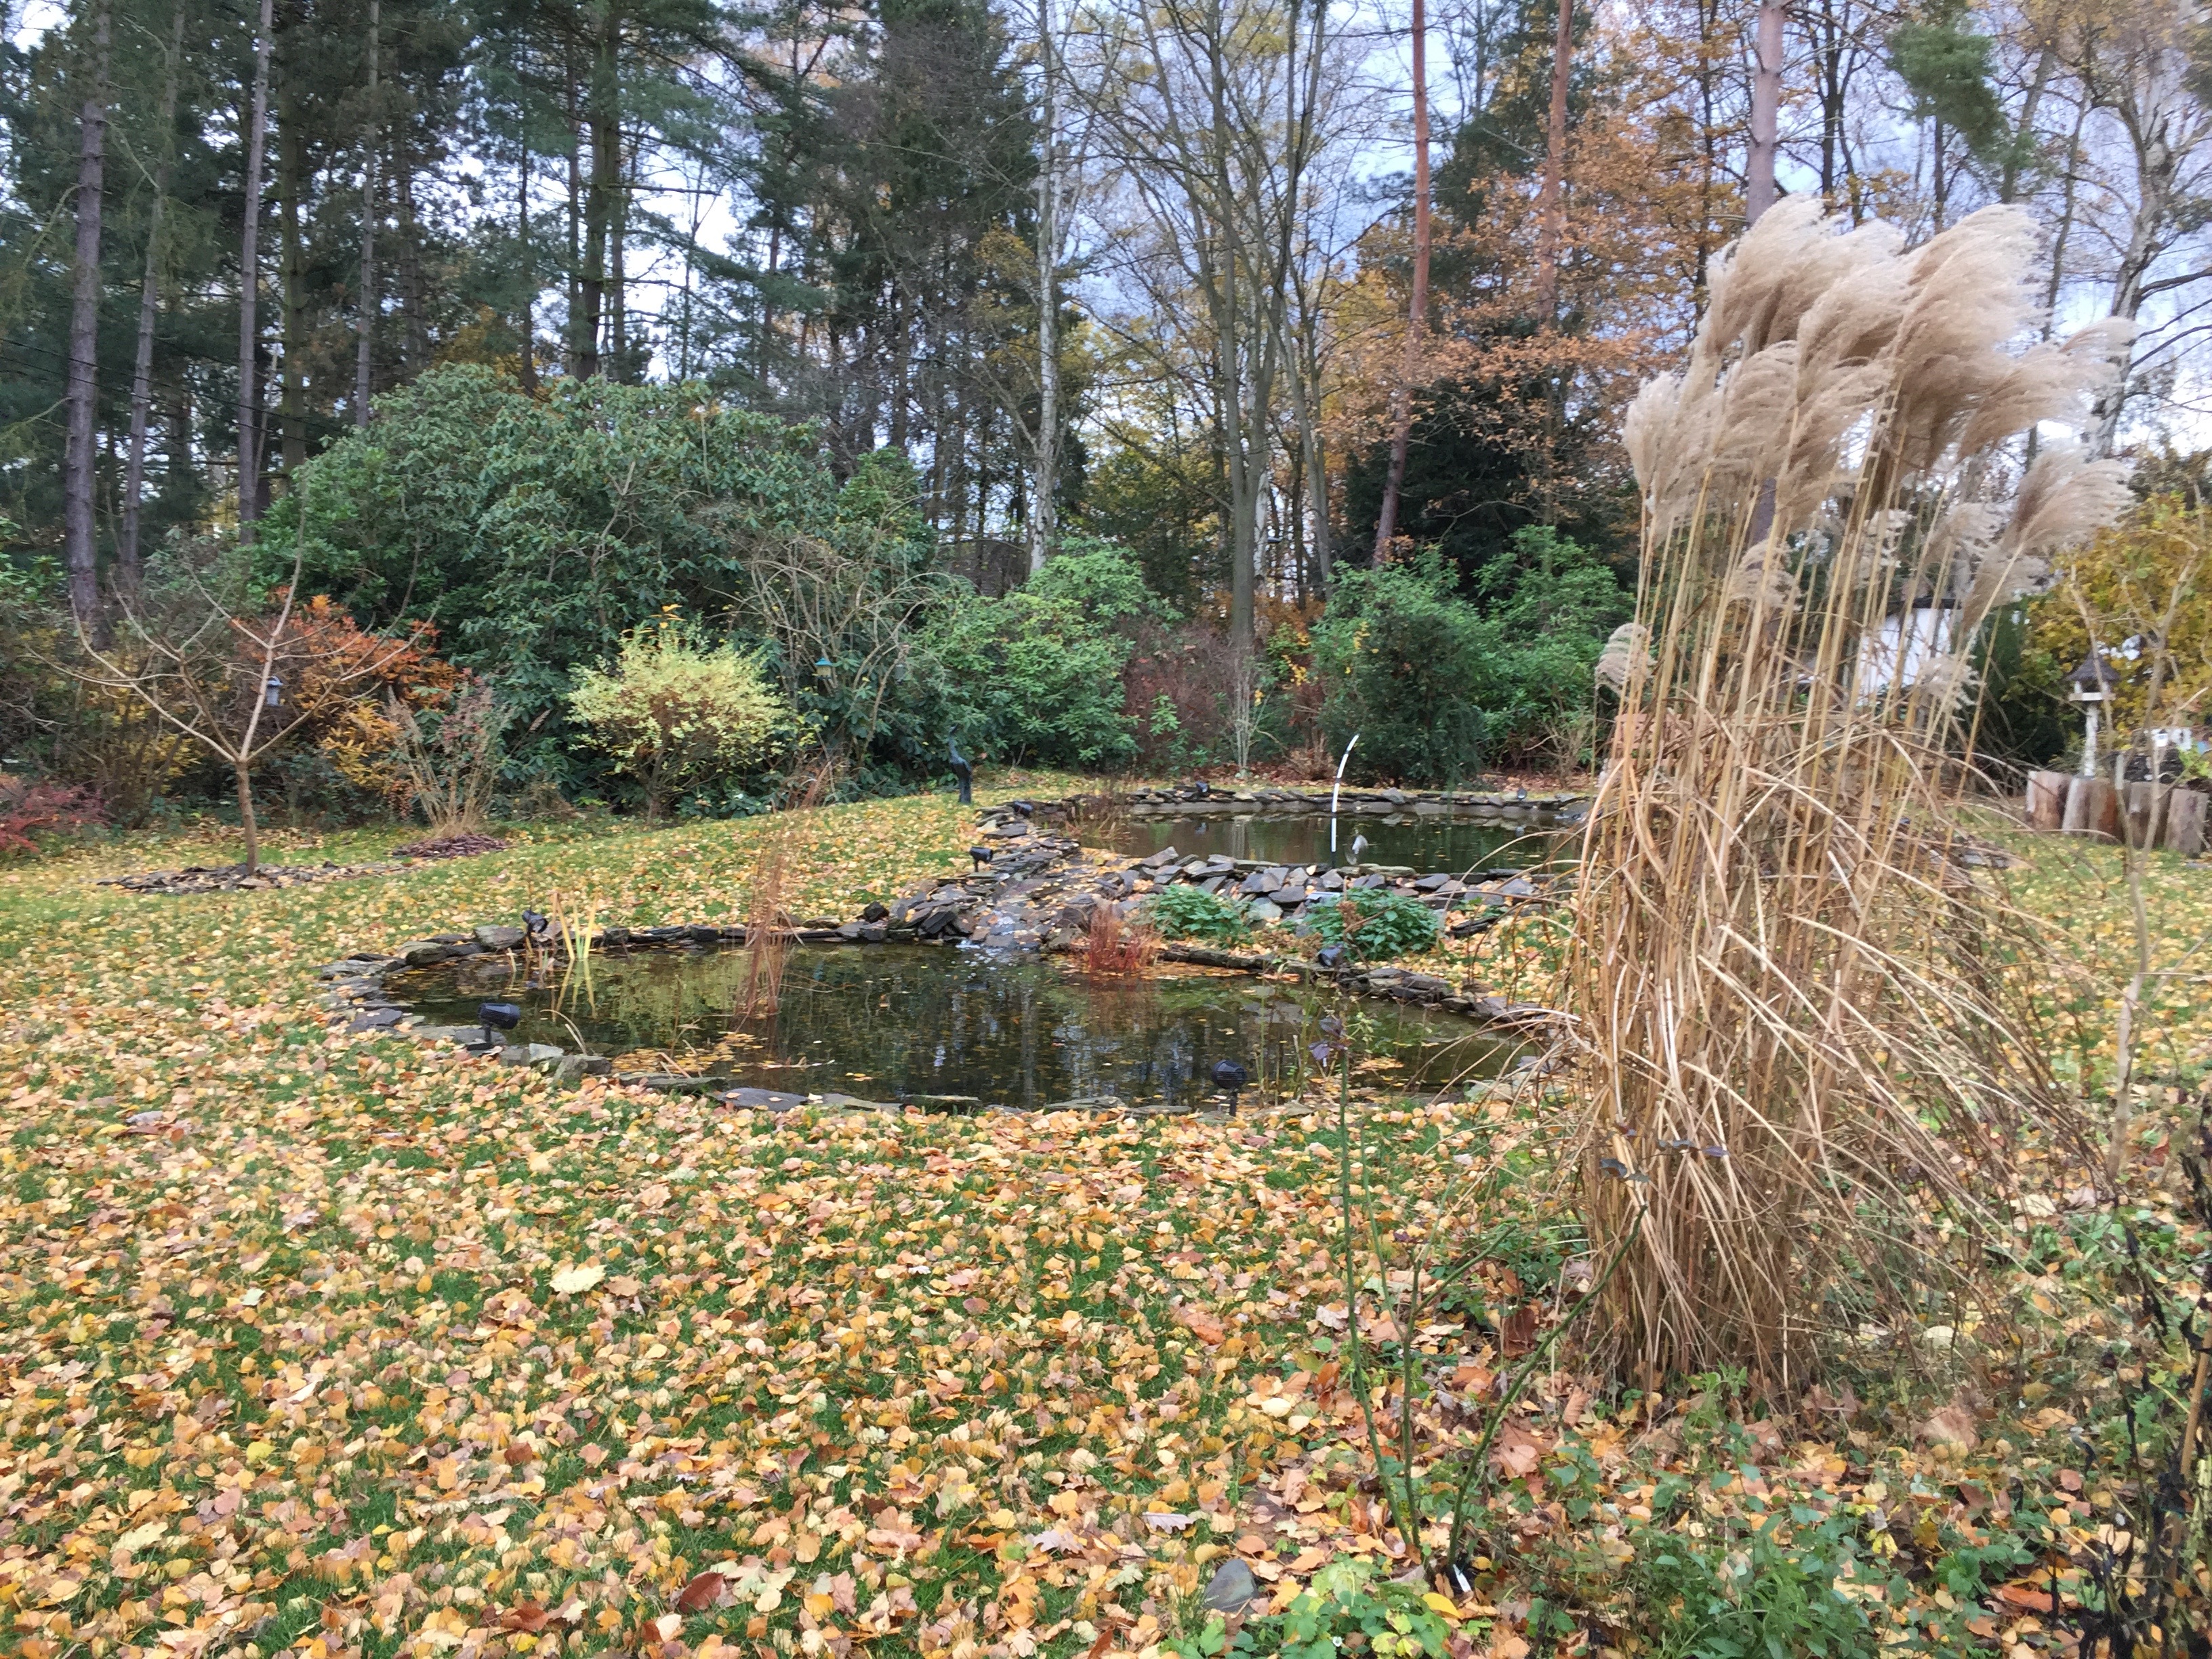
point(521, 322)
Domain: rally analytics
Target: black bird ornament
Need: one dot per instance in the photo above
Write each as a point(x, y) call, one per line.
point(963, 770)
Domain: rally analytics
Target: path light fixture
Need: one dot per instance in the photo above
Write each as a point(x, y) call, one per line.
point(504, 1015)
point(2092, 687)
point(1229, 1076)
point(272, 692)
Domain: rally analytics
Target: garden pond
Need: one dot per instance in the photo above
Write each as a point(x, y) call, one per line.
point(955, 1025)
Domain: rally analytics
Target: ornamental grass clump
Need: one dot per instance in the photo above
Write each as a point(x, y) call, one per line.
point(1787, 971)
point(673, 710)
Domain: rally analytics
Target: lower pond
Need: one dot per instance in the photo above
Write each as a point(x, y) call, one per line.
point(909, 1022)
point(1425, 842)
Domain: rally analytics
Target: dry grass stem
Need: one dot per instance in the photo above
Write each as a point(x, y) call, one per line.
point(1117, 947)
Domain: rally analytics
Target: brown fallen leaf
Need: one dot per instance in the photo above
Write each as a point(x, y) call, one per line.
point(525, 1616)
point(2024, 1597)
point(701, 1593)
point(1951, 1425)
point(517, 1454)
point(1202, 1324)
point(1517, 1335)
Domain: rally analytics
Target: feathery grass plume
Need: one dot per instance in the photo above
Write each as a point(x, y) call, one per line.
point(1808, 1063)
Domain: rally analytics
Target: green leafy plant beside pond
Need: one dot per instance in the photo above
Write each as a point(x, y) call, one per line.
point(1193, 913)
point(1373, 926)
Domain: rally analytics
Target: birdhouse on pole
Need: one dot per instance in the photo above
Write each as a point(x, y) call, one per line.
point(2092, 685)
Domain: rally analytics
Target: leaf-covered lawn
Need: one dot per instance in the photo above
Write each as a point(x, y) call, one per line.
point(318, 1345)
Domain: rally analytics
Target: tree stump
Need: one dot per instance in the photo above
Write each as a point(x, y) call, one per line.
point(2184, 822)
point(2046, 799)
point(2093, 808)
point(2141, 808)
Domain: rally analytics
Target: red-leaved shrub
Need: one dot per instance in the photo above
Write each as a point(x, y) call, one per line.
point(29, 810)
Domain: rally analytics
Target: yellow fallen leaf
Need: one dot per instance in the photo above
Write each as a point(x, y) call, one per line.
point(570, 1280)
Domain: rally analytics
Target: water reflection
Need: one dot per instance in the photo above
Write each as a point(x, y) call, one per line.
point(1425, 843)
point(894, 1022)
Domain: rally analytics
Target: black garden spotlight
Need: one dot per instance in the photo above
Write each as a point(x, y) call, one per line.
point(1231, 1075)
point(505, 1014)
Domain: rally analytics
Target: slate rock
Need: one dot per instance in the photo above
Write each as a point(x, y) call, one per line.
point(529, 1053)
point(422, 952)
point(494, 937)
point(375, 1019)
point(1265, 910)
point(767, 1100)
point(874, 913)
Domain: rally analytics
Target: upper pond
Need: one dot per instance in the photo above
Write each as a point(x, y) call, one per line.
point(1425, 842)
point(901, 1022)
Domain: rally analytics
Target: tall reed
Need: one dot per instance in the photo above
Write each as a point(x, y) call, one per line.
point(1787, 976)
point(768, 926)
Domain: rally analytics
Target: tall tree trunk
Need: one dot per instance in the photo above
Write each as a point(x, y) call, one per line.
point(2046, 65)
point(528, 272)
point(1305, 394)
point(249, 287)
point(291, 181)
point(127, 563)
point(603, 113)
point(1417, 317)
point(1045, 484)
point(1550, 205)
point(573, 275)
point(415, 356)
point(365, 309)
point(617, 268)
point(1758, 185)
point(80, 531)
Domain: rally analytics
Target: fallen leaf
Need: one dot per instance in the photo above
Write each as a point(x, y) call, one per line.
point(525, 1616)
point(702, 1592)
point(570, 1280)
point(1951, 1425)
point(1201, 1324)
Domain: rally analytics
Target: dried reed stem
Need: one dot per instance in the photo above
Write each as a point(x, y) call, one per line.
point(1117, 947)
point(1786, 975)
point(768, 926)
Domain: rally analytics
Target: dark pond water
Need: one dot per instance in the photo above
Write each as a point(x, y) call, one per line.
point(1424, 843)
point(898, 1022)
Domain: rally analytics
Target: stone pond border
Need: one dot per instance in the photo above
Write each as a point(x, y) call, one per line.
point(1030, 889)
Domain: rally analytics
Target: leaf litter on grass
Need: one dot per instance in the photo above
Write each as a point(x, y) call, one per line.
point(328, 1345)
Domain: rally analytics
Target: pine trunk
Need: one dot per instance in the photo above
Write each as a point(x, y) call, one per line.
point(365, 307)
point(291, 179)
point(1045, 486)
point(1551, 228)
point(1401, 424)
point(80, 530)
point(1759, 184)
point(249, 286)
point(127, 563)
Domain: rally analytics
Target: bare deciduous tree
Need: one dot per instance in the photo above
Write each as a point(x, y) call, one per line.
point(214, 670)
